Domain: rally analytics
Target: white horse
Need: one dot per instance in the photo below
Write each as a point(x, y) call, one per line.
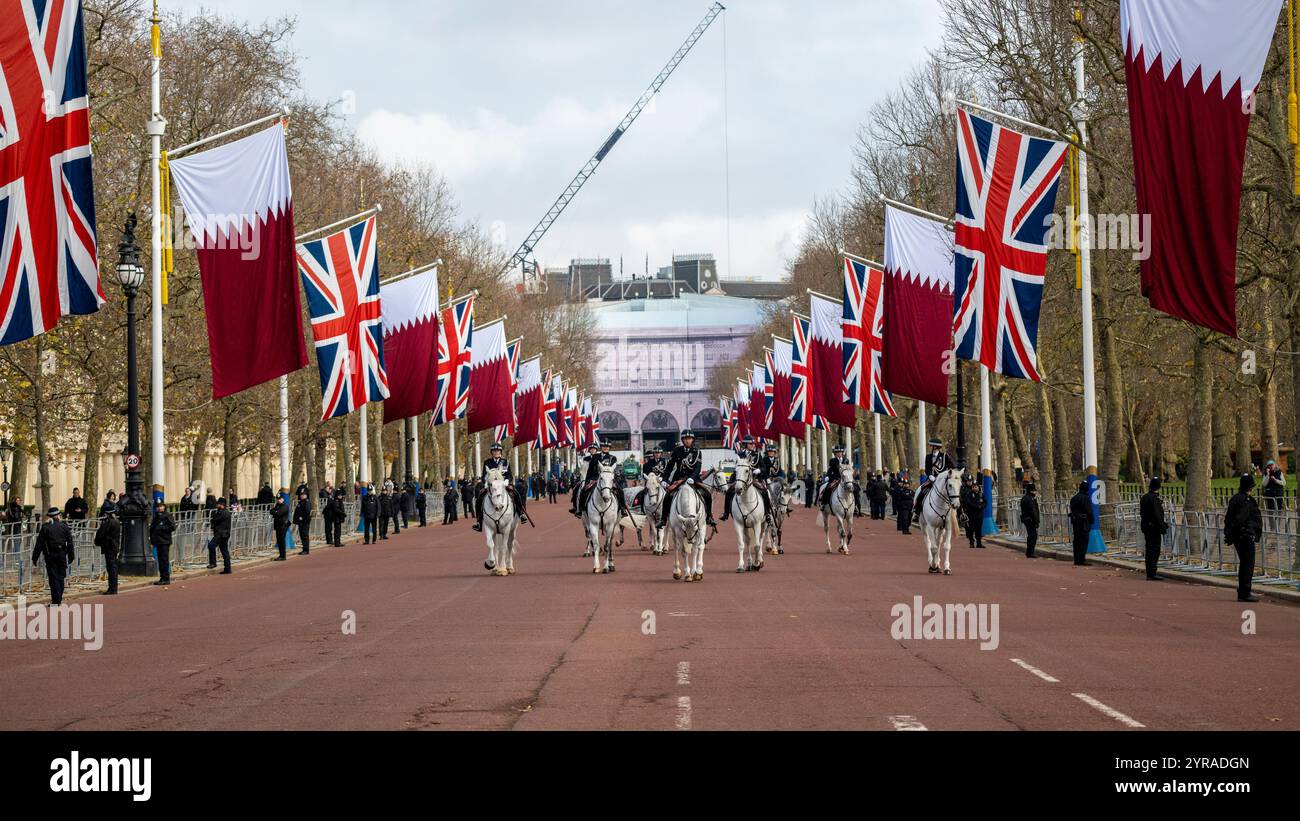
point(782, 497)
point(600, 518)
point(939, 518)
point(686, 526)
point(842, 505)
point(653, 504)
point(747, 515)
point(500, 525)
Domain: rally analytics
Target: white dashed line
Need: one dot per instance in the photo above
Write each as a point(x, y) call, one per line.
point(683, 673)
point(1110, 711)
point(1031, 668)
point(684, 712)
point(904, 723)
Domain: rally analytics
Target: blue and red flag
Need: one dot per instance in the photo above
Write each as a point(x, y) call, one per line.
point(864, 340)
point(455, 347)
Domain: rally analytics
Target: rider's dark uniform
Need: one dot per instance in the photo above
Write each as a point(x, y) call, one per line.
point(762, 467)
point(583, 492)
point(502, 464)
point(686, 463)
point(935, 463)
point(652, 464)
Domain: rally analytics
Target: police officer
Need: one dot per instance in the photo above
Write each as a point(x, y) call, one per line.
point(421, 504)
point(686, 462)
point(595, 463)
point(302, 518)
point(593, 452)
point(761, 467)
point(220, 524)
point(280, 524)
point(161, 528)
point(496, 461)
point(1081, 522)
point(936, 462)
point(54, 542)
point(108, 538)
point(903, 505)
point(832, 477)
point(1242, 527)
point(369, 516)
point(1030, 517)
point(972, 509)
point(1152, 517)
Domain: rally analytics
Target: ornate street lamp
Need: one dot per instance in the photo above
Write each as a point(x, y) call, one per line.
point(136, 558)
point(6, 450)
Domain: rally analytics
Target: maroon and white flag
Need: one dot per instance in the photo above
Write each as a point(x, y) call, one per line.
point(826, 360)
point(918, 306)
point(239, 204)
point(1192, 68)
point(782, 365)
point(758, 403)
point(528, 402)
point(410, 312)
point(490, 400)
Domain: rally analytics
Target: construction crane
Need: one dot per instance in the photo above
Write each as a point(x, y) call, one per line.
point(521, 258)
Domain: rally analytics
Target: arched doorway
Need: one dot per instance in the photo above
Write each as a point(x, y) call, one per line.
point(660, 428)
point(707, 425)
point(614, 428)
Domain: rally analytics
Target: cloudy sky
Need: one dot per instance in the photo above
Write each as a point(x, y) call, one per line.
point(509, 99)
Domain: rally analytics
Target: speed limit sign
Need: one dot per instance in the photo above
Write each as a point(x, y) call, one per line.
point(132, 461)
point(4, 487)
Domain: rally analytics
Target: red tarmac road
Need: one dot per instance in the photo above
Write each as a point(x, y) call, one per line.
point(806, 643)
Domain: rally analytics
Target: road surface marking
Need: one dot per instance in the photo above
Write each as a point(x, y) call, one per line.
point(684, 713)
point(906, 723)
point(683, 673)
point(1031, 668)
point(1110, 711)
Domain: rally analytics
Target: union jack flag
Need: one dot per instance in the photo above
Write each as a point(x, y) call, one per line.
point(513, 350)
point(455, 343)
point(550, 431)
point(570, 416)
point(724, 410)
point(864, 337)
point(1006, 190)
point(48, 259)
point(769, 395)
point(801, 377)
point(340, 274)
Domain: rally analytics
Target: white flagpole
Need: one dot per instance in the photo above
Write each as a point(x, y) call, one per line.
point(414, 423)
point(364, 473)
point(920, 437)
point(878, 454)
point(808, 447)
point(1095, 542)
point(848, 443)
point(285, 478)
point(478, 448)
point(156, 128)
point(989, 525)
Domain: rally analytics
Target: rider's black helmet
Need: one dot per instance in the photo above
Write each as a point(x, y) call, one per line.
point(688, 434)
point(771, 447)
point(748, 440)
point(495, 446)
point(837, 449)
point(936, 442)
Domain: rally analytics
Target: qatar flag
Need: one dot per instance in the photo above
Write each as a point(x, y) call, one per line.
point(782, 364)
point(490, 400)
point(571, 417)
point(410, 313)
point(757, 403)
point(743, 408)
point(528, 402)
point(1192, 67)
point(918, 306)
point(826, 360)
point(239, 204)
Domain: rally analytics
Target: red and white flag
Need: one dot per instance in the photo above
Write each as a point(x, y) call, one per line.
point(410, 314)
point(239, 204)
point(490, 400)
point(528, 402)
point(1191, 68)
point(571, 417)
point(918, 306)
point(782, 353)
point(513, 351)
point(585, 433)
point(758, 402)
point(742, 407)
point(826, 360)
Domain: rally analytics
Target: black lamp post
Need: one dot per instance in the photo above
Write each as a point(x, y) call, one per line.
point(6, 450)
point(136, 558)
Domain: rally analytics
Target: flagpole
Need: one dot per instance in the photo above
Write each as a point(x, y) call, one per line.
point(364, 473)
point(478, 448)
point(1096, 544)
point(990, 525)
point(156, 128)
point(920, 437)
point(348, 221)
point(285, 478)
point(878, 454)
point(412, 426)
point(188, 147)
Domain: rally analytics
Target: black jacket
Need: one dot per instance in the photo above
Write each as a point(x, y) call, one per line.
point(502, 464)
point(75, 509)
point(1242, 519)
point(108, 537)
point(161, 528)
point(370, 506)
point(385, 505)
point(972, 501)
point(266, 496)
point(1081, 510)
point(1152, 513)
point(280, 515)
point(220, 523)
point(684, 463)
point(1029, 514)
point(54, 541)
point(302, 512)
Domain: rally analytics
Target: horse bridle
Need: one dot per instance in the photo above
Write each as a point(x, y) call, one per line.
point(952, 501)
point(748, 483)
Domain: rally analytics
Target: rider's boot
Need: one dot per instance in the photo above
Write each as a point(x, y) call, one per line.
point(478, 525)
point(726, 507)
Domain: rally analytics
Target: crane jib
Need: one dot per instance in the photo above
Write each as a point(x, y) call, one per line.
point(609, 144)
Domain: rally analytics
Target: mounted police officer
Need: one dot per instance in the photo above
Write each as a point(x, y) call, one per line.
point(592, 453)
point(831, 479)
point(497, 462)
point(684, 463)
point(762, 467)
point(936, 461)
point(600, 458)
point(654, 463)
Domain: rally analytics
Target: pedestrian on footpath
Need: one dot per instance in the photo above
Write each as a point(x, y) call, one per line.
point(280, 524)
point(1030, 518)
point(302, 518)
point(397, 519)
point(385, 512)
point(1242, 528)
point(339, 514)
point(972, 508)
point(1151, 511)
point(1081, 523)
point(54, 542)
point(903, 505)
point(421, 504)
point(449, 503)
point(369, 516)
point(161, 529)
point(220, 523)
point(467, 498)
point(108, 538)
point(76, 508)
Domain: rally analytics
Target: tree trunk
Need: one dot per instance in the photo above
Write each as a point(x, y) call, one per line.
point(1221, 442)
point(1134, 468)
point(1267, 380)
point(18, 473)
point(1243, 442)
point(1021, 440)
point(199, 456)
point(1113, 441)
point(90, 466)
point(229, 455)
point(376, 424)
point(263, 462)
point(1046, 442)
point(1006, 482)
point(1064, 452)
point(399, 464)
point(42, 438)
point(319, 454)
point(1198, 430)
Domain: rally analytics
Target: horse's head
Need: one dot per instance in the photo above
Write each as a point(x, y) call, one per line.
point(605, 482)
point(743, 475)
point(846, 476)
point(949, 484)
point(497, 490)
point(654, 484)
